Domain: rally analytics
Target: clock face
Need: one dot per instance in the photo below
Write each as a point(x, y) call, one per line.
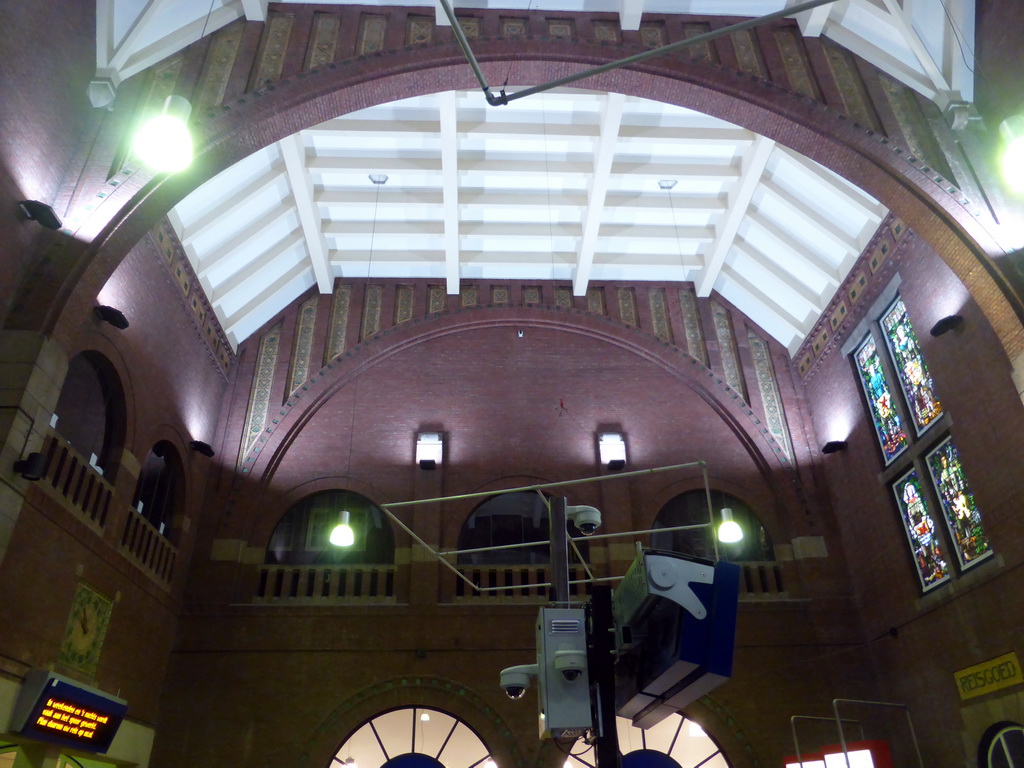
point(86, 628)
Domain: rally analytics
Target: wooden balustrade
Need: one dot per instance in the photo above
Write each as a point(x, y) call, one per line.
point(150, 550)
point(294, 584)
point(76, 481)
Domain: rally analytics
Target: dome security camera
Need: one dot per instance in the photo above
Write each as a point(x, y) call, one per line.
point(572, 664)
point(515, 680)
point(586, 519)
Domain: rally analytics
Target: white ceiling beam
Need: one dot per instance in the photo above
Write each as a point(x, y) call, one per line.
point(752, 168)
point(902, 22)
point(788, 278)
point(240, 280)
point(255, 10)
point(812, 264)
point(630, 13)
point(812, 23)
point(229, 208)
point(237, 249)
point(263, 306)
point(812, 217)
point(293, 151)
point(786, 311)
point(449, 120)
point(611, 119)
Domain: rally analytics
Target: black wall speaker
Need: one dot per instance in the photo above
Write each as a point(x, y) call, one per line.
point(40, 212)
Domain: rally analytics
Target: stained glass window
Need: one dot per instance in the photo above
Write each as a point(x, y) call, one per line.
point(910, 368)
point(925, 546)
point(887, 421)
point(961, 513)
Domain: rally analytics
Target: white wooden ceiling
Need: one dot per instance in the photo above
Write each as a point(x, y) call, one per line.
point(567, 185)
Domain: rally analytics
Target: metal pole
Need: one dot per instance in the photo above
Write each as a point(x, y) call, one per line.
point(559, 552)
point(504, 98)
point(601, 663)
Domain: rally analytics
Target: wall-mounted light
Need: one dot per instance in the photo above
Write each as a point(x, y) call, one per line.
point(947, 324)
point(111, 315)
point(833, 446)
point(729, 531)
point(32, 467)
point(612, 448)
point(164, 143)
point(342, 535)
point(41, 212)
point(202, 448)
point(429, 449)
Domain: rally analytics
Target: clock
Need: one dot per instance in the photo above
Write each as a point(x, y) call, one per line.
point(86, 628)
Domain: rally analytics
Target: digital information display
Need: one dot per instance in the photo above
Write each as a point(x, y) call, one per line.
point(58, 710)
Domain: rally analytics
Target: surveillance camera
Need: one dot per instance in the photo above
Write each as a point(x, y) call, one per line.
point(572, 664)
point(515, 680)
point(587, 519)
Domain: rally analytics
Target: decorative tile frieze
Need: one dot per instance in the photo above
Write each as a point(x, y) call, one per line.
point(605, 31)
point(372, 303)
point(627, 307)
point(302, 349)
point(512, 27)
point(438, 299)
point(703, 51)
point(595, 300)
point(563, 297)
point(219, 60)
point(468, 296)
point(403, 304)
point(371, 34)
point(790, 43)
point(659, 314)
point(277, 31)
point(323, 42)
point(500, 294)
point(531, 294)
point(692, 326)
point(744, 45)
point(851, 87)
point(341, 305)
point(727, 348)
point(419, 30)
point(561, 28)
point(262, 383)
point(470, 26)
point(774, 415)
point(652, 35)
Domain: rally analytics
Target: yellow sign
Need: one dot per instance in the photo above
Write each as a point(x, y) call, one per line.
point(992, 675)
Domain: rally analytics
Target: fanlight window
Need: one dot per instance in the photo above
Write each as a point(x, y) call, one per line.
point(90, 412)
point(413, 737)
point(675, 742)
point(302, 537)
point(691, 508)
point(160, 489)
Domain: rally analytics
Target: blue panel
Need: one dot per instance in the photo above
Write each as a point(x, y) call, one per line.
point(648, 758)
point(413, 760)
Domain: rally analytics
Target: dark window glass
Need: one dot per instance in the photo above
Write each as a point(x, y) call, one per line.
point(302, 537)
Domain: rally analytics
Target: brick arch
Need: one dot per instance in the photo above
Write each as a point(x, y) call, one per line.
point(272, 447)
point(229, 132)
point(414, 690)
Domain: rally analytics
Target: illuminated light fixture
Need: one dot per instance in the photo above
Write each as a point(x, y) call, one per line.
point(32, 467)
point(111, 315)
point(695, 730)
point(41, 212)
point(1012, 131)
point(612, 449)
point(343, 535)
point(350, 762)
point(833, 446)
point(424, 717)
point(429, 449)
point(729, 532)
point(164, 143)
point(947, 324)
point(202, 448)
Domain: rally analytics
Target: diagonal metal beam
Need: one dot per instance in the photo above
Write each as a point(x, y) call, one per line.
point(504, 98)
point(293, 151)
point(611, 119)
point(753, 166)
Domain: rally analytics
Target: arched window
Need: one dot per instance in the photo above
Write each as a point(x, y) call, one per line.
point(413, 737)
point(691, 508)
point(90, 411)
point(302, 536)
point(510, 518)
point(675, 742)
point(1002, 746)
point(161, 487)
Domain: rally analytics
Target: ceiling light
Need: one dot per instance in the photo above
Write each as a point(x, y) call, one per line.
point(343, 535)
point(729, 532)
point(429, 449)
point(164, 143)
point(1012, 131)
